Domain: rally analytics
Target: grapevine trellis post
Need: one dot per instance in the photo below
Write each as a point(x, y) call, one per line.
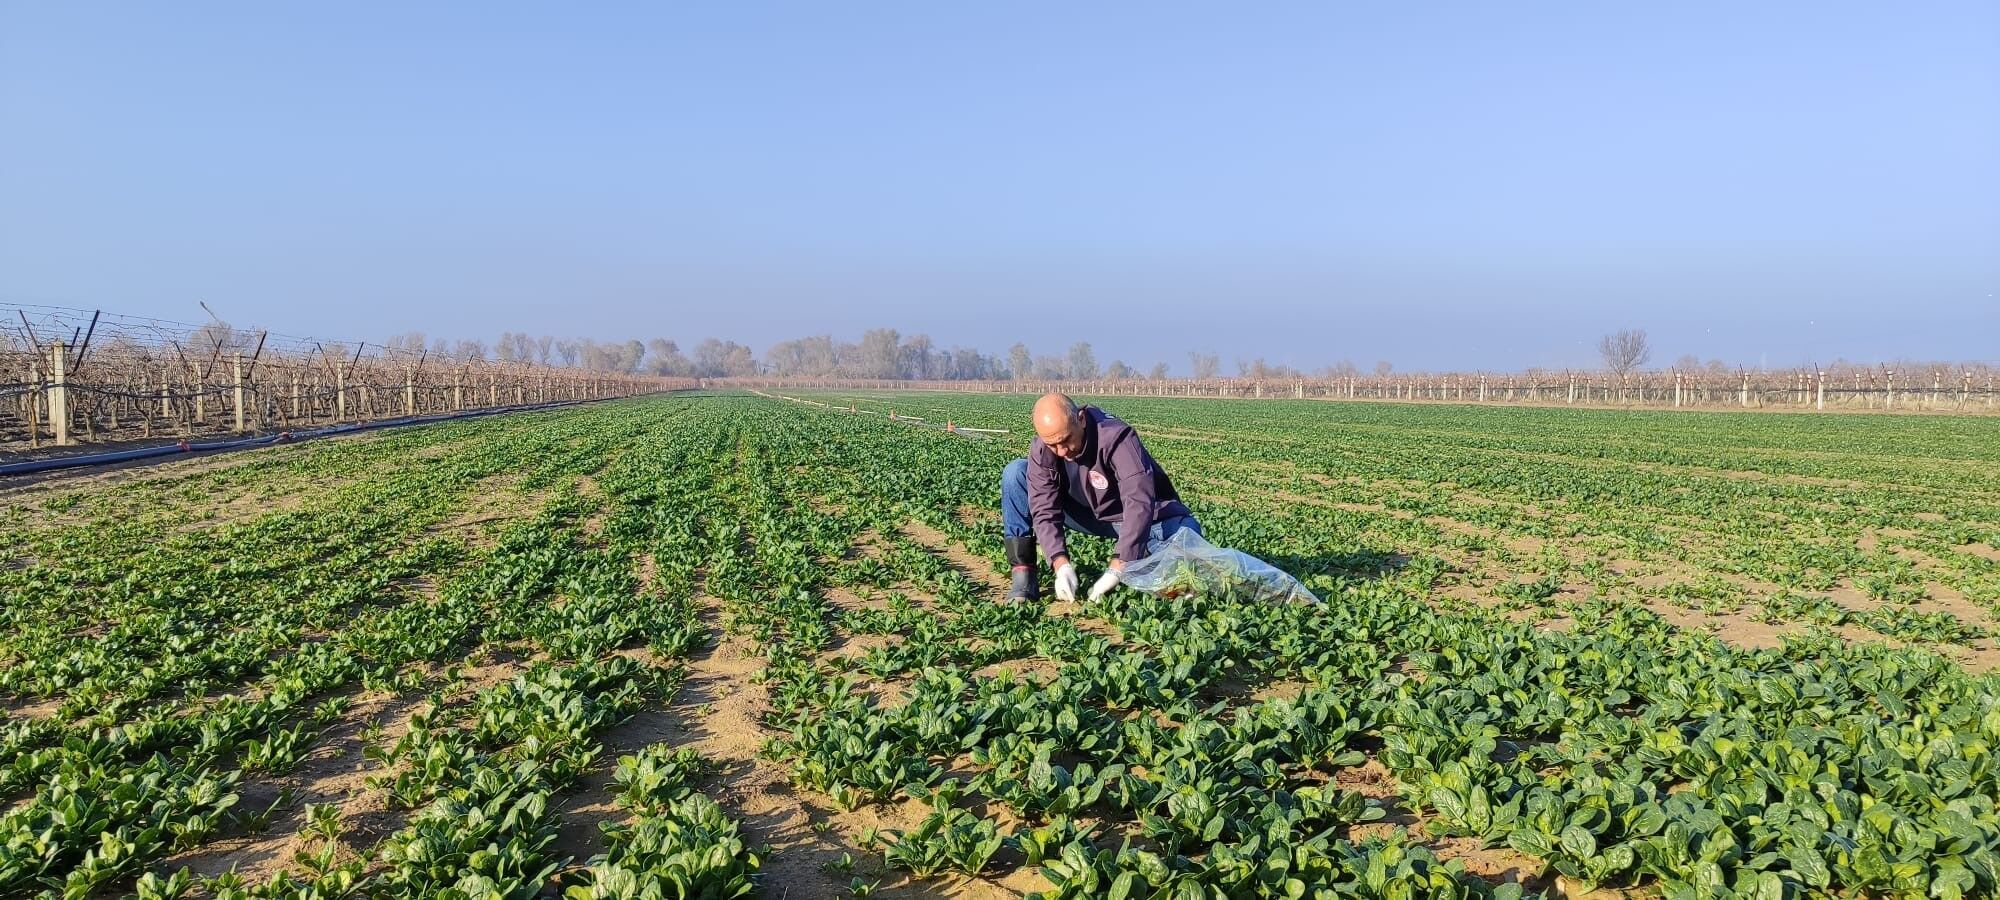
point(237, 378)
point(59, 392)
point(196, 385)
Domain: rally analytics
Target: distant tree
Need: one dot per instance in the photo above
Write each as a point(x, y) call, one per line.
point(739, 360)
point(1119, 371)
point(919, 361)
point(1260, 369)
point(807, 357)
point(818, 355)
point(569, 351)
point(716, 358)
point(1159, 372)
point(216, 339)
point(1020, 363)
point(885, 353)
point(847, 358)
point(881, 353)
point(469, 351)
point(1050, 368)
point(1203, 365)
point(1624, 351)
point(625, 357)
point(711, 358)
point(544, 349)
point(409, 341)
point(786, 359)
point(1383, 367)
point(1082, 362)
point(968, 364)
point(663, 357)
point(514, 347)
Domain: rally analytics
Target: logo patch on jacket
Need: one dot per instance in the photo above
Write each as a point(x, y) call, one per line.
point(1098, 481)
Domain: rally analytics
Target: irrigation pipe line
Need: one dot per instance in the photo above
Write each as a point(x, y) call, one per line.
point(35, 466)
point(948, 426)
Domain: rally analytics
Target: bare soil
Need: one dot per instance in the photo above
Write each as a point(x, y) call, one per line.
point(496, 501)
point(22, 708)
point(720, 714)
point(969, 564)
point(1982, 551)
point(335, 771)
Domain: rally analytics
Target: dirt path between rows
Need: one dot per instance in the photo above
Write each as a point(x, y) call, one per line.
point(720, 714)
point(973, 566)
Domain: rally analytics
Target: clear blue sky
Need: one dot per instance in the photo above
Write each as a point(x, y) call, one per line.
point(1451, 184)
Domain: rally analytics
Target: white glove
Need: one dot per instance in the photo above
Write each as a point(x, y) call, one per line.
point(1066, 583)
point(1104, 584)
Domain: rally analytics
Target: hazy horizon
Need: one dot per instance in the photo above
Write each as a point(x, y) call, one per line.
point(1472, 188)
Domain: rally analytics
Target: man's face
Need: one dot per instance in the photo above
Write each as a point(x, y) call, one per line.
point(1067, 442)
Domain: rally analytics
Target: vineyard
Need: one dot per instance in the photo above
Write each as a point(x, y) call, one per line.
point(716, 645)
point(73, 377)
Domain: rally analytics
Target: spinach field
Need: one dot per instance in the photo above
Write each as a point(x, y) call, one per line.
point(720, 645)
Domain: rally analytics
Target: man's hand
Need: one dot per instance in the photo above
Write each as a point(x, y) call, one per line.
point(1066, 582)
point(1104, 583)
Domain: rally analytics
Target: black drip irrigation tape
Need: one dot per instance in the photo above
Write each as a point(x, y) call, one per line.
point(36, 466)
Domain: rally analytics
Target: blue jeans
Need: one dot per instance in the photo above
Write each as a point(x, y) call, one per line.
point(1016, 522)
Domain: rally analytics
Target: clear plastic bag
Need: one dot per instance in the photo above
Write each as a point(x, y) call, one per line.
point(1187, 564)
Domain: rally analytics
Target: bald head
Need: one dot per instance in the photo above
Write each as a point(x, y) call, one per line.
point(1059, 424)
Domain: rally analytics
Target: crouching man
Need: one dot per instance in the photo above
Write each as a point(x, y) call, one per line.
point(1086, 470)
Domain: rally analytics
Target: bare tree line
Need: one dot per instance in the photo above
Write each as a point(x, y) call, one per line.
point(712, 358)
point(887, 354)
point(881, 353)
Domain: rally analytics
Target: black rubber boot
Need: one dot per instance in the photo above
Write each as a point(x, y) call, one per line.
point(1027, 583)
